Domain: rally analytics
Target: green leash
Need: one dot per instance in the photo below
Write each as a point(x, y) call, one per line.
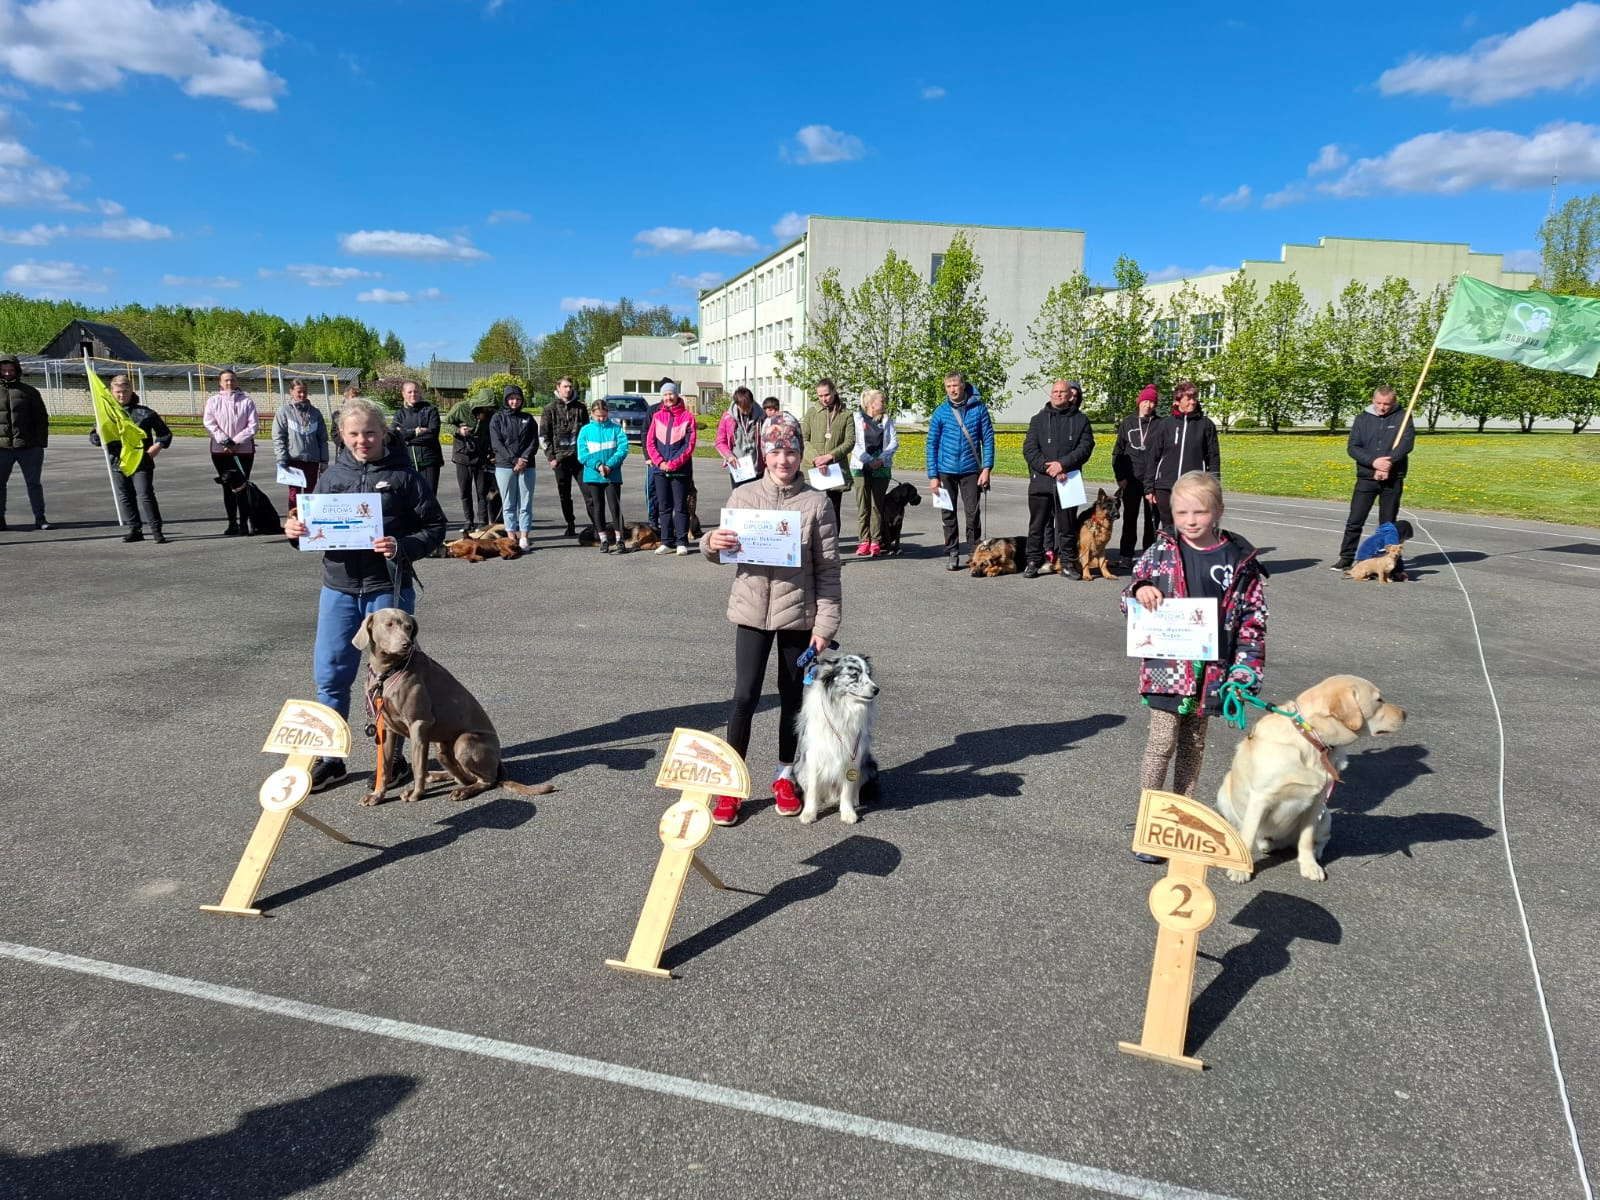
point(1236, 696)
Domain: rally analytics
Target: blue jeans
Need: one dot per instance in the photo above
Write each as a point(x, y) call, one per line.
point(31, 460)
point(335, 661)
point(516, 497)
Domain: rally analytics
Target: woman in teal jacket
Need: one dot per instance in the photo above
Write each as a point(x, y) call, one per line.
point(602, 445)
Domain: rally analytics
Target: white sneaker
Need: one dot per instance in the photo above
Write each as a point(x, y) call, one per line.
point(663, 550)
point(523, 544)
point(683, 550)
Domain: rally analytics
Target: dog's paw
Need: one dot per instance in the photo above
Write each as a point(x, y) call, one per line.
point(850, 816)
point(371, 799)
point(1313, 871)
point(1239, 876)
point(460, 793)
point(807, 816)
point(412, 795)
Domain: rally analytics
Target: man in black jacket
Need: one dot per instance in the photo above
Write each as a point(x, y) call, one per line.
point(24, 433)
point(559, 423)
point(1381, 441)
point(1059, 441)
point(137, 492)
point(1130, 463)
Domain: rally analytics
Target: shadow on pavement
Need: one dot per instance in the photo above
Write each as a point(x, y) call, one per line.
point(709, 716)
point(1370, 779)
point(504, 813)
point(277, 1151)
point(1279, 919)
point(856, 855)
point(961, 769)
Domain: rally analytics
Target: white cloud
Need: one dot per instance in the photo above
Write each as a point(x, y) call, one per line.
point(90, 45)
point(790, 226)
point(199, 281)
point(933, 92)
point(501, 215)
point(25, 181)
point(1234, 200)
point(110, 208)
point(313, 275)
point(686, 241)
point(53, 279)
point(38, 235)
point(572, 304)
point(66, 105)
point(127, 229)
point(1331, 158)
point(1177, 272)
point(824, 144)
point(1555, 53)
point(1448, 162)
point(1523, 260)
point(1293, 193)
point(700, 282)
point(391, 243)
point(385, 296)
point(238, 143)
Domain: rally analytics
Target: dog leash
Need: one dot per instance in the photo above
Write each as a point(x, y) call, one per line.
point(1235, 697)
point(376, 729)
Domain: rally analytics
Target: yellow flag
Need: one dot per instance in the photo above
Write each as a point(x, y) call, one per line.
point(114, 424)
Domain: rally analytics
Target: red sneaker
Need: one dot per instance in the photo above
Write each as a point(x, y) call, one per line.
point(787, 801)
point(863, 548)
point(724, 810)
point(873, 550)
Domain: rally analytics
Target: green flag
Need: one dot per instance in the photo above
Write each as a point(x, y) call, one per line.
point(1537, 329)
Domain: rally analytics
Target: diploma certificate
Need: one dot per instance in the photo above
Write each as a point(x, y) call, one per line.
point(1179, 629)
point(341, 520)
point(768, 537)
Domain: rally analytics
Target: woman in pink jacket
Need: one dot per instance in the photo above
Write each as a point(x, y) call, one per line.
point(669, 444)
point(230, 418)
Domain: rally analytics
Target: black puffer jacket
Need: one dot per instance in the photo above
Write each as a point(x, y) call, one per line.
point(147, 419)
point(1182, 443)
point(410, 515)
point(1130, 457)
point(1058, 435)
point(418, 431)
point(24, 422)
point(513, 434)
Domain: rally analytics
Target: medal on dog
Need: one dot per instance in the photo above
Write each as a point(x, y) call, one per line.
point(852, 774)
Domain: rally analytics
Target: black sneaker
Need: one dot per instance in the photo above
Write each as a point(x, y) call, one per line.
point(1031, 571)
point(159, 538)
point(569, 531)
point(41, 523)
point(954, 564)
point(327, 771)
point(402, 775)
point(133, 536)
point(1343, 564)
point(1154, 859)
point(232, 531)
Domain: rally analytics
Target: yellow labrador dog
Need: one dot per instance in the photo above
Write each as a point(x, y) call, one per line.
point(424, 702)
point(1275, 793)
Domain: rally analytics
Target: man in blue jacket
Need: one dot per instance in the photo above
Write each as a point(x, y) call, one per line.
point(1381, 452)
point(960, 457)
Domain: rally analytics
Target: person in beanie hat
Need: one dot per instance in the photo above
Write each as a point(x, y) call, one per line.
point(669, 445)
point(559, 424)
point(1059, 442)
point(795, 608)
point(514, 437)
point(1131, 464)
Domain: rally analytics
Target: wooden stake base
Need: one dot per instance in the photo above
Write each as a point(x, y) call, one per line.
point(658, 972)
point(1180, 1060)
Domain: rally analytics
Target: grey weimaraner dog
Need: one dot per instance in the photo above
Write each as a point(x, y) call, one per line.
point(424, 702)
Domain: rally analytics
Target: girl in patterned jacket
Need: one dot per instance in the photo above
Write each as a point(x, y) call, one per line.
point(1203, 561)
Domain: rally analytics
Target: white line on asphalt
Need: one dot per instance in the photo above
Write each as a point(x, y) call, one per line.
point(986, 1154)
point(1548, 561)
point(1511, 869)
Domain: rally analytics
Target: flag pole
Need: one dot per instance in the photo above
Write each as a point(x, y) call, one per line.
point(116, 493)
point(1415, 392)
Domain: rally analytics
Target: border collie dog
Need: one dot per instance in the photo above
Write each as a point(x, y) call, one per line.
point(835, 760)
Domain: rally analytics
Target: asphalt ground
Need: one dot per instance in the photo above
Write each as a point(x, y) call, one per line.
point(925, 1004)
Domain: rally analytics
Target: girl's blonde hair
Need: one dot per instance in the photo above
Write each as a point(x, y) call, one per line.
point(360, 406)
point(870, 394)
point(1201, 485)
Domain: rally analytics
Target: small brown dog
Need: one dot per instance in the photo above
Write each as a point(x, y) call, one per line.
point(1378, 567)
point(997, 556)
point(424, 702)
point(643, 537)
point(474, 550)
point(1094, 535)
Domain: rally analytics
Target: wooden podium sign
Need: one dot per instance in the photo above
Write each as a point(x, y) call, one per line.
point(304, 729)
point(1193, 838)
point(700, 766)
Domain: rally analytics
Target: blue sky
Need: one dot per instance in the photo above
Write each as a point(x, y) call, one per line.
point(430, 165)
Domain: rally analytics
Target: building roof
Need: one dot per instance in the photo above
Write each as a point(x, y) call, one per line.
point(460, 376)
point(116, 344)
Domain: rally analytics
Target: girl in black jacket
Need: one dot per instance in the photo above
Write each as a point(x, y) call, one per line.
point(1186, 441)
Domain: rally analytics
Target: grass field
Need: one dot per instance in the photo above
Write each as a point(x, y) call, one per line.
point(1548, 476)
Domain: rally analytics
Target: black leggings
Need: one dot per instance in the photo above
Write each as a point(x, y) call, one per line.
point(600, 497)
point(473, 482)
point(235, 506)
point(751, 648)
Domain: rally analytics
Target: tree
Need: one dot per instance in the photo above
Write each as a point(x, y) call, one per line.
point(580, 344)
point(342, 341)
point(886, 341)
point(1569, 248)
point(1124, 358)
point(821, 355)
point(1060, 337)
point(1282, 333)
point(394, 350)
point(26, 326)
point(960, 334)
point(504, 341)
point(226, 337)
point(1240, 368)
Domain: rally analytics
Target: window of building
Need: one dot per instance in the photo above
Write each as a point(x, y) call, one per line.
point(1166, 337)
point(934, 266)
point(1208, 334)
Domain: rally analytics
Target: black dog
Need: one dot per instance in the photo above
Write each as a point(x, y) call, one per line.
point(256, 514)
point(895, 502)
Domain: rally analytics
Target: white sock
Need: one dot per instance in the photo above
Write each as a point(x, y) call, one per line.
point(785, 771)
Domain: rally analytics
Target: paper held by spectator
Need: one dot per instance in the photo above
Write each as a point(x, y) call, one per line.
point(768, 537)
point(1179, 629)
point(293, 476)
point(826, 479)
point(341, 520)
point(1069, 490)
point(943, 499)
point(743, 469)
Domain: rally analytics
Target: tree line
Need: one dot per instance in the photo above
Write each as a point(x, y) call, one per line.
point(578, 346)
point(223, 336)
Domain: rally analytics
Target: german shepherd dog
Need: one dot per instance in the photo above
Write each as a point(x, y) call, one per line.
point(834, 760)
point(895, 502)
point(997, 556)
point(1094, 534)
point(256, 513)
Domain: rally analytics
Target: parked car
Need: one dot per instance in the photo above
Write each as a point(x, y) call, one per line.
point(631, 412)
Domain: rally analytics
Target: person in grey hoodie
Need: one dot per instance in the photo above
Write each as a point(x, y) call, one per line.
point(300, 438)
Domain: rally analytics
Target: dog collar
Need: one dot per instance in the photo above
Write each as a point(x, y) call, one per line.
point(1321, 746)
point(375, 683)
